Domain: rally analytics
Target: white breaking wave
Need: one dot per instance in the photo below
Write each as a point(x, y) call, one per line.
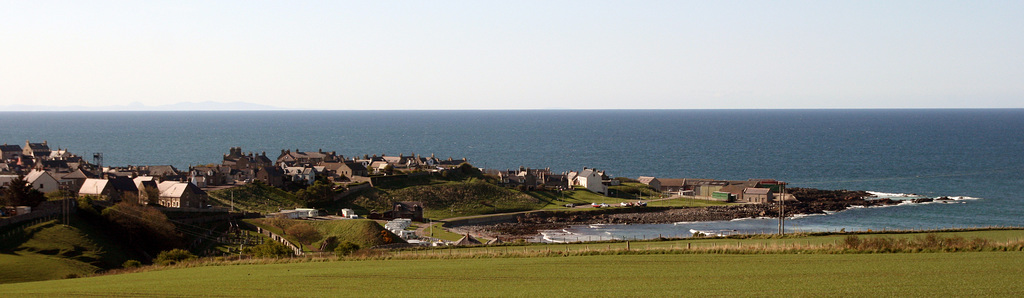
point(795, 216)
point(879, 194)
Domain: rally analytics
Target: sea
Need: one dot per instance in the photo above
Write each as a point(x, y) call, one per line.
point(973, 155)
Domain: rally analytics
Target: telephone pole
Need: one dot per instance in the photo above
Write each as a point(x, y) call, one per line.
point(782, 209)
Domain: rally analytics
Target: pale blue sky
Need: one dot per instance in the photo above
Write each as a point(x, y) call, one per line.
point(515, 54)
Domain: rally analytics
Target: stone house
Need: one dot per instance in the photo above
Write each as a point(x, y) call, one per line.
point(181, 195)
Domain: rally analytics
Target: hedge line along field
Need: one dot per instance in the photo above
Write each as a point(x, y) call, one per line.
point(897, 274)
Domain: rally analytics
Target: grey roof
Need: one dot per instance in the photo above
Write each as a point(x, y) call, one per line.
point(467, 240)
point(10, 148)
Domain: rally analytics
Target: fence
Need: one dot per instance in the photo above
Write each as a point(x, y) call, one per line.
point(295, 249)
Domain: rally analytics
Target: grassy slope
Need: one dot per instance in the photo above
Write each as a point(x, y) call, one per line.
point(51, 250)
point(920, 274)
point(452, 198)
point(255, 197)
point(365, 233)
point(26, 266)
point(755, 242)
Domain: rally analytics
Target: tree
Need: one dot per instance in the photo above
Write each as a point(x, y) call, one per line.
point(305, 233)
point(318, 192)
point(346, 248)
point(152, 195)
point(174, 256)
point(144, 226)
point(21, 193)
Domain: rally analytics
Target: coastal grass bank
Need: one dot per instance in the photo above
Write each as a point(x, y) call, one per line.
point(793, 265)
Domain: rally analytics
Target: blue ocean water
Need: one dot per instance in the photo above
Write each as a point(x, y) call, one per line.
point(959, 152)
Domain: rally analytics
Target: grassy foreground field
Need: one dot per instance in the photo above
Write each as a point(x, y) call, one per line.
point(916, 274)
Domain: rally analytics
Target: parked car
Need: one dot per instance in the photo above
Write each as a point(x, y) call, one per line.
point(604, 205)
point(570, 205)
point(596, 205)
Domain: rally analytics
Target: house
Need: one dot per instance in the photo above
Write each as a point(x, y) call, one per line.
point(239, 161)
point(5, 180)
point(147, 185)
point(272, 176)
point(757, 195)
point(100, 188)
point(163, 172)
point(10, 152)
point(672, 185)
point(410, 210)
point(61, 154)
point(591, 179)
point(302, 175)
point(114, 189)
point(42, 181)
point(75, 179)
point(181, 195)
point(211, 175)
point(299, 158)
point(36, 150)
point(651, 181)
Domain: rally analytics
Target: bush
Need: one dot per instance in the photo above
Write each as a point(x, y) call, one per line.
point(131, 264)
point(346, 248)
point(174, 256)
point(270, 249)
point(305, 233)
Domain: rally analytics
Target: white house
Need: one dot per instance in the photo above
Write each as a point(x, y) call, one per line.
point(42, 181)
point(301, 174)
point(591, 180)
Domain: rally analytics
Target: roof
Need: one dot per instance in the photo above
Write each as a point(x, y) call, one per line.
point(647, 180)
point(176, 189)
point(77, 174)
point(666, 182)
point(467, 240)
point(38, 147)
point(36, 175)
point(756, 191)
point(93, 186)
point(163, 170)
point(144, 184)
point(11, 148)
point(124, 184)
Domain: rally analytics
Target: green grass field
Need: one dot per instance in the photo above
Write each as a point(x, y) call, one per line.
point(50, 250)
point(916, 274)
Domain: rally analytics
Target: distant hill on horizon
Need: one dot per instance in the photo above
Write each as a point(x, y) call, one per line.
point(137, 106)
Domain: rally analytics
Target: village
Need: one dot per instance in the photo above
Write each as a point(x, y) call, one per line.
point(57, 174)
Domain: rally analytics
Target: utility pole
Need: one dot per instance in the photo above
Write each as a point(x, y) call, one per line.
point(782, 210)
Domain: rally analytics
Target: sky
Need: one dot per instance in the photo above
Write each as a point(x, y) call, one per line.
point(453, 55)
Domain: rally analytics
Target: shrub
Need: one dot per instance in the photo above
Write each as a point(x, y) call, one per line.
point(346, 248)
point(270, 249)
point(174, 256)
point(303, 232)
point(131, 264)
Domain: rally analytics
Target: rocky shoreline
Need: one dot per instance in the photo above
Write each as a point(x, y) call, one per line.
point(807, 201)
